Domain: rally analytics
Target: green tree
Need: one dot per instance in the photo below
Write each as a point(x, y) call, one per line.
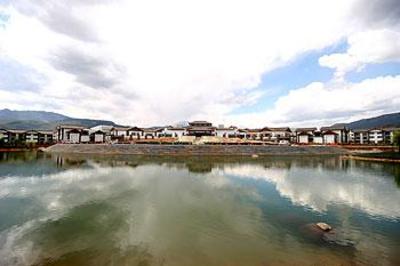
point(396, 138)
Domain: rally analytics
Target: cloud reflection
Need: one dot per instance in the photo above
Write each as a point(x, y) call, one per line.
point(187, 212)
point(360, 188)
point(124, 208)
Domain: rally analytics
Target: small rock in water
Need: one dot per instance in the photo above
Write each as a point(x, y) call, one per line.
point(324, 227)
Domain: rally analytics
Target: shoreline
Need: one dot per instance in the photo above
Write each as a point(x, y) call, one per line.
point(372, 159)
point(197, 150)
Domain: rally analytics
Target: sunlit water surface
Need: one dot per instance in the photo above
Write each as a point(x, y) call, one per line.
point(70, 210)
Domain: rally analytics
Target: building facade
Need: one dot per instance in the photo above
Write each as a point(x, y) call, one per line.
point(268, 135)
point(200, 128)
point(68, 133)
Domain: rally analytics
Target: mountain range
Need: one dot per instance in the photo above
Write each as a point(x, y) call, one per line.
point(387, 121)
point(10, 119)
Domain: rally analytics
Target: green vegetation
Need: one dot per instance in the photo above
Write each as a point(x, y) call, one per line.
point(396, 138)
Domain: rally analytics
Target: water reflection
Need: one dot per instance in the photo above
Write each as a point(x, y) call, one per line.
point(372, 191)
point(196, 211)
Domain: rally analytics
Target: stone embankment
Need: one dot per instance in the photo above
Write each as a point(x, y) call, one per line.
point(151, 149)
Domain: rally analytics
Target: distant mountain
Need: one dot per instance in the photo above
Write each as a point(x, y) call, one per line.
point(388, 120)
point(46, 117)
point(47, 120)
point(43, 120)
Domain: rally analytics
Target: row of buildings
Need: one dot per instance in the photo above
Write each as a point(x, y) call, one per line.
point(17, 136)
point(343, 135)
point(269, 135)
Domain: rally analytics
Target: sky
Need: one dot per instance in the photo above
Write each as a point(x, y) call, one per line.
point(250, 63)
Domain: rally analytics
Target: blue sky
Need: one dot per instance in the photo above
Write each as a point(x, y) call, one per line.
point(373, 71)
point(296, 74)
point(306, 69)
point(249, 63)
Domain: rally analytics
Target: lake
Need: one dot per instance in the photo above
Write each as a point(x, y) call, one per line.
point(137, 210)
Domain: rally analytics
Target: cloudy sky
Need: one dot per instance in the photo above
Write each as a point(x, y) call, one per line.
point(155, 62)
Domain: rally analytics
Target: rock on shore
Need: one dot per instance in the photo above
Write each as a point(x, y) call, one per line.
point(151, 149)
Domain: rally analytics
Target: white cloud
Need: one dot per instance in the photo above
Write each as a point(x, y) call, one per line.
point(319, 103)
point(375, 46)
point(158, 62)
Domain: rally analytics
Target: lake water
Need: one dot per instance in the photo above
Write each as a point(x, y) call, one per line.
point(75, 210)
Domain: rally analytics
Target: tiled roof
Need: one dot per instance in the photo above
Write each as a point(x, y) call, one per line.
point(280, 129)
point(16, 131)
point(46, 131)
point(120, 128)
point(152, 129)
point(304, 133)
point(329, 132)
point(306, 129)
point(333, 128)
point(135, 129)
point(98, 132)
point(226, 128)
point(70, 126)
point(200, 128)
point(199, 121)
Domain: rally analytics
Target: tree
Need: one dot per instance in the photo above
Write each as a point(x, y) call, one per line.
point(396, 138)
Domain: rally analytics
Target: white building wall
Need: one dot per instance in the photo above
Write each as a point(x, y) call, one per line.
point(74, 137)
point(118, 133)
point(361, 138)
point(350, 136)
point(61, 135)
point(375, 136)
point(339, 135)
point(225, 132)
point(98, 138)
point(32, 138)
point(329, 139)
point(303, 139)
point(281, 134)
point(318, 140)
point(284, 142)
point(64, 134)
point(3, 134)
point(179, 133)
